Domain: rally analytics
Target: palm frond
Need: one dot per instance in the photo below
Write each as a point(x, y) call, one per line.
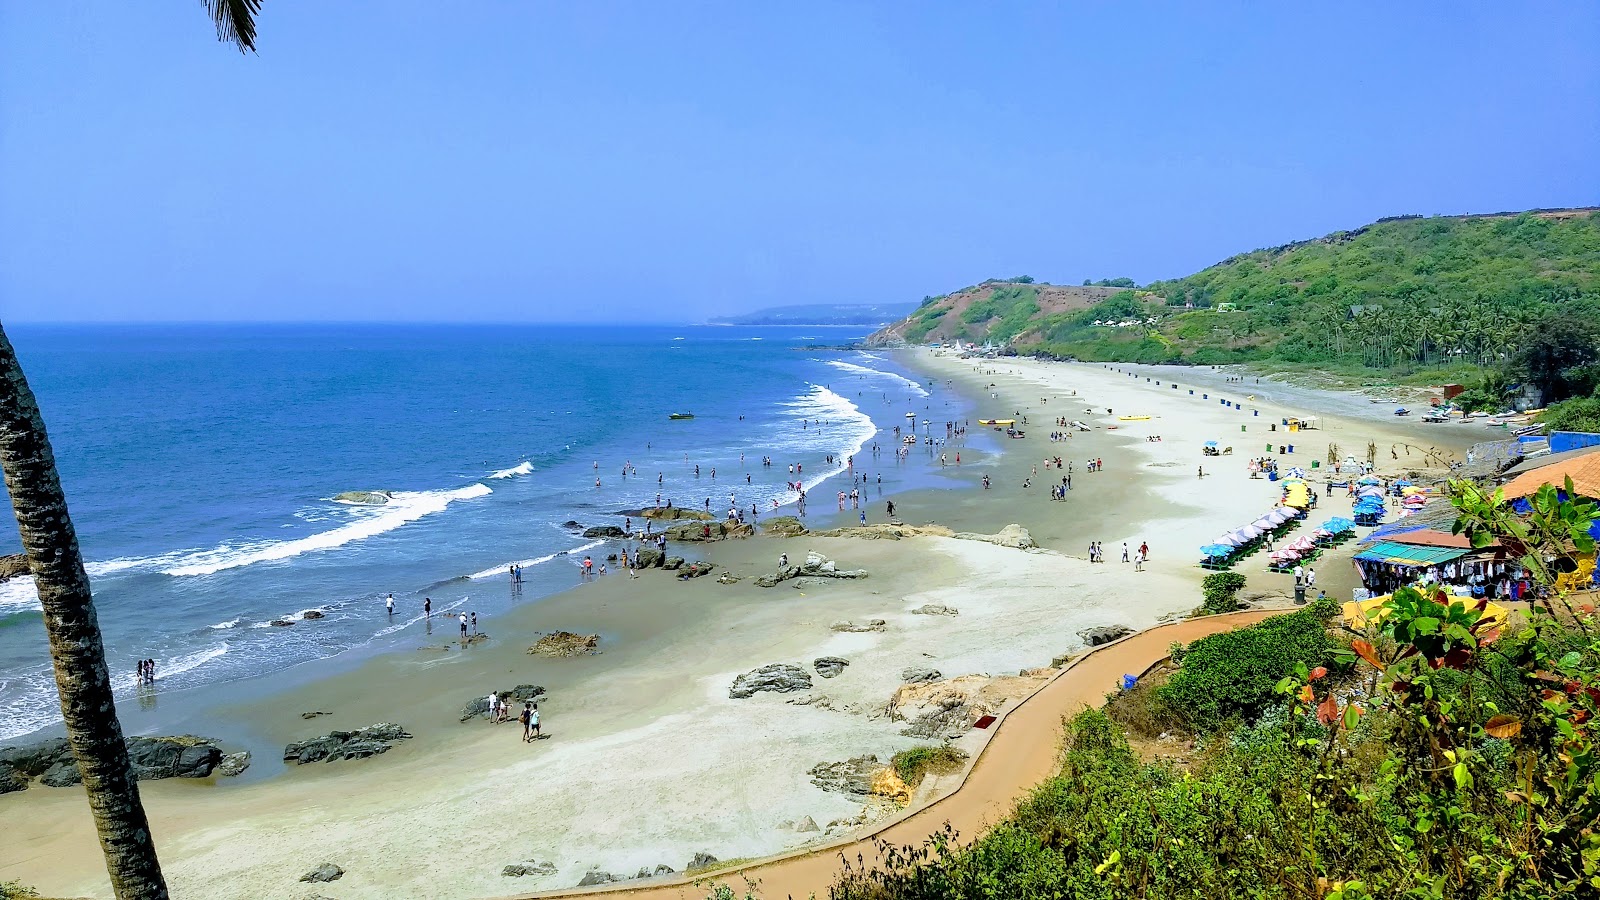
point(236, 21)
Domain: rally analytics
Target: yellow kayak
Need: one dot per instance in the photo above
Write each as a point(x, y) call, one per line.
point(1134, 418)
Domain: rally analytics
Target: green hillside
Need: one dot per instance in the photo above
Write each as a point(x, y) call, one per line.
point(1397, 295)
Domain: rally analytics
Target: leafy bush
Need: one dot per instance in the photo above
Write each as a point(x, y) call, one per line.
point(13, 890)
point(1582, 414)
point(1221, 592)
point(911, 765)
point(1230, 676)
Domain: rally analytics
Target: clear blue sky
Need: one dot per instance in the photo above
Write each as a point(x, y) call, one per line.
point(666, 161)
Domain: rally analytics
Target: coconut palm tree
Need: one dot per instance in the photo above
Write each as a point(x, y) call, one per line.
point(77, 651)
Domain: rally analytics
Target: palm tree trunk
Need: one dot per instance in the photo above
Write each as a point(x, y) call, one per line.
point(75, 645)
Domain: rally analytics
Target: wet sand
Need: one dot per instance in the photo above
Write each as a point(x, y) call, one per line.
point(648, 760)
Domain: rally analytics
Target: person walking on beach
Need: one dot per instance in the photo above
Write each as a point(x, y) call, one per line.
point(527, 721)
point(533, 722)
point(494, 707)
point(889, 507)
point(1144, 549)
point(1124, 551)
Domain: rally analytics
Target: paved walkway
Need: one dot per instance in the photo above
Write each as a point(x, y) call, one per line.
point(1023, 751)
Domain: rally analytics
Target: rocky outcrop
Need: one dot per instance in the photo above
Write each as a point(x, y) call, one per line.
point(783, 526)
point(709, 531)
point(518, 870)
point(479, 706)
point(920, 675)
point(12, 566)
point(779, 678)
point(672, 563)
point(605, 531)
point(11, 780)
point(660, 870)
point(234, 764)
point(339, 745)
point(935, 609)
point(815, 566)
point(595, 876)
point(945, 710)
point(1104, 634)
point(863, 776)
point(563, 644)
point(829, 666)
point(52, 762)
point(572, 525)
point(696, 570)
point(649, 558)
point(702, 860)
point(667, 513)
point(313, 614)
point(1014, 536)
point(364, 498)
point(806, 824)
point(323, 873)
point(853, 628)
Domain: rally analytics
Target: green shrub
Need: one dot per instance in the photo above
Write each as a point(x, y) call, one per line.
point(1221, 592)
point(1230, 676)
point(912, 764)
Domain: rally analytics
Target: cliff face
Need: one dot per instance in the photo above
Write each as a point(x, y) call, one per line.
point(992, 311)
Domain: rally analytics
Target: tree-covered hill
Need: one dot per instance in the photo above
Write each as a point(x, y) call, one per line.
point(1400, 293)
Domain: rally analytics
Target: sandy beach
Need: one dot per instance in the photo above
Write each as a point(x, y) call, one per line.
point(648, 761)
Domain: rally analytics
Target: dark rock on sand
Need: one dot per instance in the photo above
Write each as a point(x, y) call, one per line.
point(479, 706)
point(709, 531)
point(673, 563)
point(648, 558)
point(565, 643)
point(815, 566)
point(234, 764)
point(702, 860)
point(853, 628)
point(695, 570)
point(853, 776)
point(780, 678)
point(830, 666)
point(313, 715)
point(806, 823)
point(1104, 634)
point(783, 526)
point(13, 565)
point(323, 873)
point(660, 870)
point(604, 531)
point(337, 745)
point(184, 756)
point(919, 674)
point(33, 759)
point(596, 876)
point(935, 609)
point(11, 780)
point(517, 870)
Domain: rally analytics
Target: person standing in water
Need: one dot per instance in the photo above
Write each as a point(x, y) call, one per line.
point(427, 607)
point(389, 602)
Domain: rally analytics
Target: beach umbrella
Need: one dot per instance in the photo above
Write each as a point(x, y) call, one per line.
point(1238, 536)
point(1264, 523)
point(1212, 551)
point(1404, 482)
point(1369, 480)
point(1297, 472)
point(1250, 531)
point(1227, 540)
point(1303, 543)
point(1211, 443)
point(1281, 515)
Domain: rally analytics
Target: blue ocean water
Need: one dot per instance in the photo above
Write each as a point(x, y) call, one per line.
point(199, 462)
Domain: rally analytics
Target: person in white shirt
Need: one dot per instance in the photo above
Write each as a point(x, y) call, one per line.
point(389, 602)
point(1299, 575)
point(494, 707)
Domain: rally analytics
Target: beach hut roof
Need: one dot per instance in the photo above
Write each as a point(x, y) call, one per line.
point(1584, 471)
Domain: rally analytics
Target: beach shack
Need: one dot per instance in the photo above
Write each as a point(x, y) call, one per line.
point(1428, 556)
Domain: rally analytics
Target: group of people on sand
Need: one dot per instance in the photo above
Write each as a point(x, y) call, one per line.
point(500, 711)
point(1097, 554)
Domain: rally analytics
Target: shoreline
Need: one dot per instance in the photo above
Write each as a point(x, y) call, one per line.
point(649, 762)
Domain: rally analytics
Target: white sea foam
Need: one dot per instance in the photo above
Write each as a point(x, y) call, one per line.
point(879, 373)
point(231, 623)
point(536, 561)
point(18, 595)
point(403, 508)
point(168, 668)
point(522, 468)
point(848, 429)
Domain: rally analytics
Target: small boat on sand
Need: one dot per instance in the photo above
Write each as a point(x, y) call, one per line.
point(682, 415)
